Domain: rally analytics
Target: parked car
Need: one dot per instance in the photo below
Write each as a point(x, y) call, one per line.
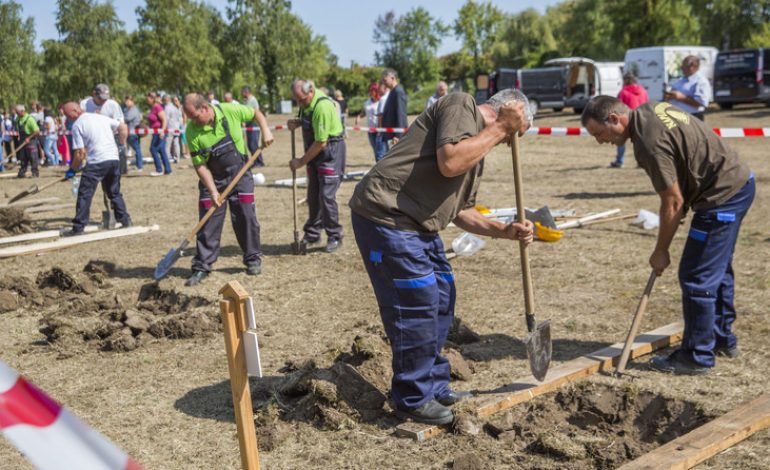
point(656, 67)
point(543, 87)
point(742, 76)
point(587, 78)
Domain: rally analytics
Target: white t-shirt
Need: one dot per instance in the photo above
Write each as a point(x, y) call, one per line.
point(95, 133)
point(110, 108)
point(173, 116)
point(370, 108)
point(50, 125)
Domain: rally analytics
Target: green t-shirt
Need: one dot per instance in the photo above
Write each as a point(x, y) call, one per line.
point(202, 137)
point(673, 146)
point(28, 125)
point(326, 118)
point(405, 190)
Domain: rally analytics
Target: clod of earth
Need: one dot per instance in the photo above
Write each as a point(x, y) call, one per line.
point(14, 221)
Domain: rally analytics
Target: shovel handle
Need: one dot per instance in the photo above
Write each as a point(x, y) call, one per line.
point(526, 276)
point(8, 157)
point(635, 324)
point(223, 195)
point(294, 183)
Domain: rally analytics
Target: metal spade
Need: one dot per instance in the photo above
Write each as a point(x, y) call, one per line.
point(538, 342)
point(35, 189)
point(175, 253)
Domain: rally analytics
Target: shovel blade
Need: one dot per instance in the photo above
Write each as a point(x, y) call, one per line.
point(165, 264)
point(539, 349)
point(23, 194)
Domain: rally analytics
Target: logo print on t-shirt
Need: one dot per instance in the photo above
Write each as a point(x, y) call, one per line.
point(668, 113)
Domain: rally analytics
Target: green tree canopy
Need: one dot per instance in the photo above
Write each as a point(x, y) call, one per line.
point(730, 24)
point(523, 39)
point(653, 23)
point(18, 60)
point(91, 50)
point(477, 25)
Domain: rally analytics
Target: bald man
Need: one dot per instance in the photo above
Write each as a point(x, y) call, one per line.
point(93, 140)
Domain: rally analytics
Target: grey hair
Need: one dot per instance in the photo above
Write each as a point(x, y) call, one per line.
point(20, 108)
point(306, 86)
point(600, 108)
point(196, 100)
point(389, 72)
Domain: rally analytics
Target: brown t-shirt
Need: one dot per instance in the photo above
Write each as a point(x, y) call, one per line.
point(405, 190)
point(671, 145)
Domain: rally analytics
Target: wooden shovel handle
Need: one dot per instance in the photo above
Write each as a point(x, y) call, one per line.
point(635, 324)
point(8, 157)
point(526, 276)
point(223, 195)
point(48, 185)
point(294, 180)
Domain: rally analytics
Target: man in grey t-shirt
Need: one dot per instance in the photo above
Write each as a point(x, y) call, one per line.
point(429, 179)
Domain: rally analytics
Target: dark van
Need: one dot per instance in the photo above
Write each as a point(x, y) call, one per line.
point(742, 76)
point(543, 87)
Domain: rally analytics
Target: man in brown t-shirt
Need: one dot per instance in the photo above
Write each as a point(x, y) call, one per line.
point(426, 181)
point(690, 167)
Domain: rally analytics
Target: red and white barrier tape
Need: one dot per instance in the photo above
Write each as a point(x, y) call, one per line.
point(726, 132)
point(49, 436)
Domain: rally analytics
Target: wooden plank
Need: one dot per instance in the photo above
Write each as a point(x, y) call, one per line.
point(54, 207)
point(708, 440)
point(31, 202)
point(28, 237)
point(527, 387)
point(72, 241)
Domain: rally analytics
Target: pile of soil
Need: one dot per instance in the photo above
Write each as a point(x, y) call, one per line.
point(14, 221)
point(594, 426)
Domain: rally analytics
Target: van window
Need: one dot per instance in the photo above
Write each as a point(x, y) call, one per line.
point(738, 62)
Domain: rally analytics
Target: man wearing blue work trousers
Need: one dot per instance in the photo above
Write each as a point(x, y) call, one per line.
point(429, 179)
point(690, 167)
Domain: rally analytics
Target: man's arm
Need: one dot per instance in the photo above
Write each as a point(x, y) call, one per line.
point(204, 174)
point(78, 159)
point(312, 152)
point(122, 133)
point(473, 221)
point(671, 212)
point(267, 136)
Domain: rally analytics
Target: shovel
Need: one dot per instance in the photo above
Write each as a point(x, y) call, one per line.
point(35, 189)
point(635, 325)
point(175, 253)
point(538, 342)
point(108, 216)
point(8, 157)
point(295, 246)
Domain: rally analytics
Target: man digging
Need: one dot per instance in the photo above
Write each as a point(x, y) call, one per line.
point(690, 167)
point(429, 179)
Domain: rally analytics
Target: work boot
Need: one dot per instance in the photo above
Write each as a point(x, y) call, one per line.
point(453, 397)
point(333, 245)
point(677, 363)
point(432, 412)
point(196, 278)
point(304, 244)
point(125, 223)
point(730, 353)
point(254, 268)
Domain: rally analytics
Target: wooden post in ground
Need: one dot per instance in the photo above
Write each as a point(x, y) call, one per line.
point(233, 309)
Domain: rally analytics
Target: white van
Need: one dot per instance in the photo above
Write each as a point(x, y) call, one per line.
point(656, 67)
point(587, 78)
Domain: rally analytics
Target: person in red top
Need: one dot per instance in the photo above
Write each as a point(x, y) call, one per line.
point(632, 95)
point(157, 120)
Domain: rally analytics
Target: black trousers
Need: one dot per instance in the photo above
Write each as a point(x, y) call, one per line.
point(107, 173)
point(28, 157)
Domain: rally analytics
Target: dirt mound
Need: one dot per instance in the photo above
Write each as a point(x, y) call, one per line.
point(14, 221)
point(18, 291)
point(95, 266)
point(594, 426)
point(105, 322)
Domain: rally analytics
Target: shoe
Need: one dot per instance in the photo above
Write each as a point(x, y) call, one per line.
point(196, 278)
point(304, 244)
point(74, 232)
point(730, 353)
point(156, 173)
point(454, 397)
point(126, 223)
point(432, 412)
point(676, 363)
point(333, 245)
point(254, 268)
point(616, 165)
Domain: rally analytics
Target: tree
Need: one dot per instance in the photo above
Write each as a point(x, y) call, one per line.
point(409, 45)
point(477, 26)
point(270, 45)
point(523, 39)
point(652, 23)
point(19, 71)
point(586, 31)
point(90, 51)
point(729, 24)
point(172, 49)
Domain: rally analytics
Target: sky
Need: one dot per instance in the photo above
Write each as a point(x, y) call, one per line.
point(347, 24)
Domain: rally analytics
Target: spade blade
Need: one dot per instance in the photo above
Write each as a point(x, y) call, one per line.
point(165, 264)
point(24, 194)
point(539, 349)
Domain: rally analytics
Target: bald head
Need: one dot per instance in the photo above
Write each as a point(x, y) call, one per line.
point(72, 110)
point(198, 109)
point(303, 91)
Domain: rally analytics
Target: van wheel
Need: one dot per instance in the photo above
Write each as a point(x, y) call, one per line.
point(558, 110)
point(725, 105)
point(578, 110)
point(533, 107)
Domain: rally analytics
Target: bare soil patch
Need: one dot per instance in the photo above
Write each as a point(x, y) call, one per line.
point(14, 221)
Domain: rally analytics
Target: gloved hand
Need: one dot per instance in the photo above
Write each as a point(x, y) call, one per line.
point(70, 173)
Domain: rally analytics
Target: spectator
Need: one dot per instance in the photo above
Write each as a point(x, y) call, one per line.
point(28, 132)
point(158, 124)
point(228, 97)
point(394, 110)
point(174, 118)
point(100, 102)
point(441, 89)
point(633, 96)
point(253, 135)
point(370, 112)
point(62, 142)
point(36, 111)
point(51, 152)
point(134, 122)
point(692, 92)
point(212, 98)
point(343, 107)
point(382, 146)
point(182, 136)
point(7, 125)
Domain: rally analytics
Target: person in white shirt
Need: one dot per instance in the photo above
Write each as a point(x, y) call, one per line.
point(93, 141)
point(441, 89)
point(100, 102)
point(49, 147)
point(370, 111)
point(381, 146)
point(174, 124)
point(692, 92)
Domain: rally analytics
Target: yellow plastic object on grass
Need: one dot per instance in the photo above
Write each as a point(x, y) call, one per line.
point(483, 209)
point(547, 234)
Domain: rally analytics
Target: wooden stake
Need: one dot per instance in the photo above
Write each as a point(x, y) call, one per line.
point(527, 388)
point(232, 307)
point(708, 440)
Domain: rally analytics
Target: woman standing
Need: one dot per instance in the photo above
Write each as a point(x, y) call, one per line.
point(158, 123)
point(370, 112)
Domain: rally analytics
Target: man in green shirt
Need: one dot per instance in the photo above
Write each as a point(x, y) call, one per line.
point(218, 153)
point(325, 154)
point(28, 132)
